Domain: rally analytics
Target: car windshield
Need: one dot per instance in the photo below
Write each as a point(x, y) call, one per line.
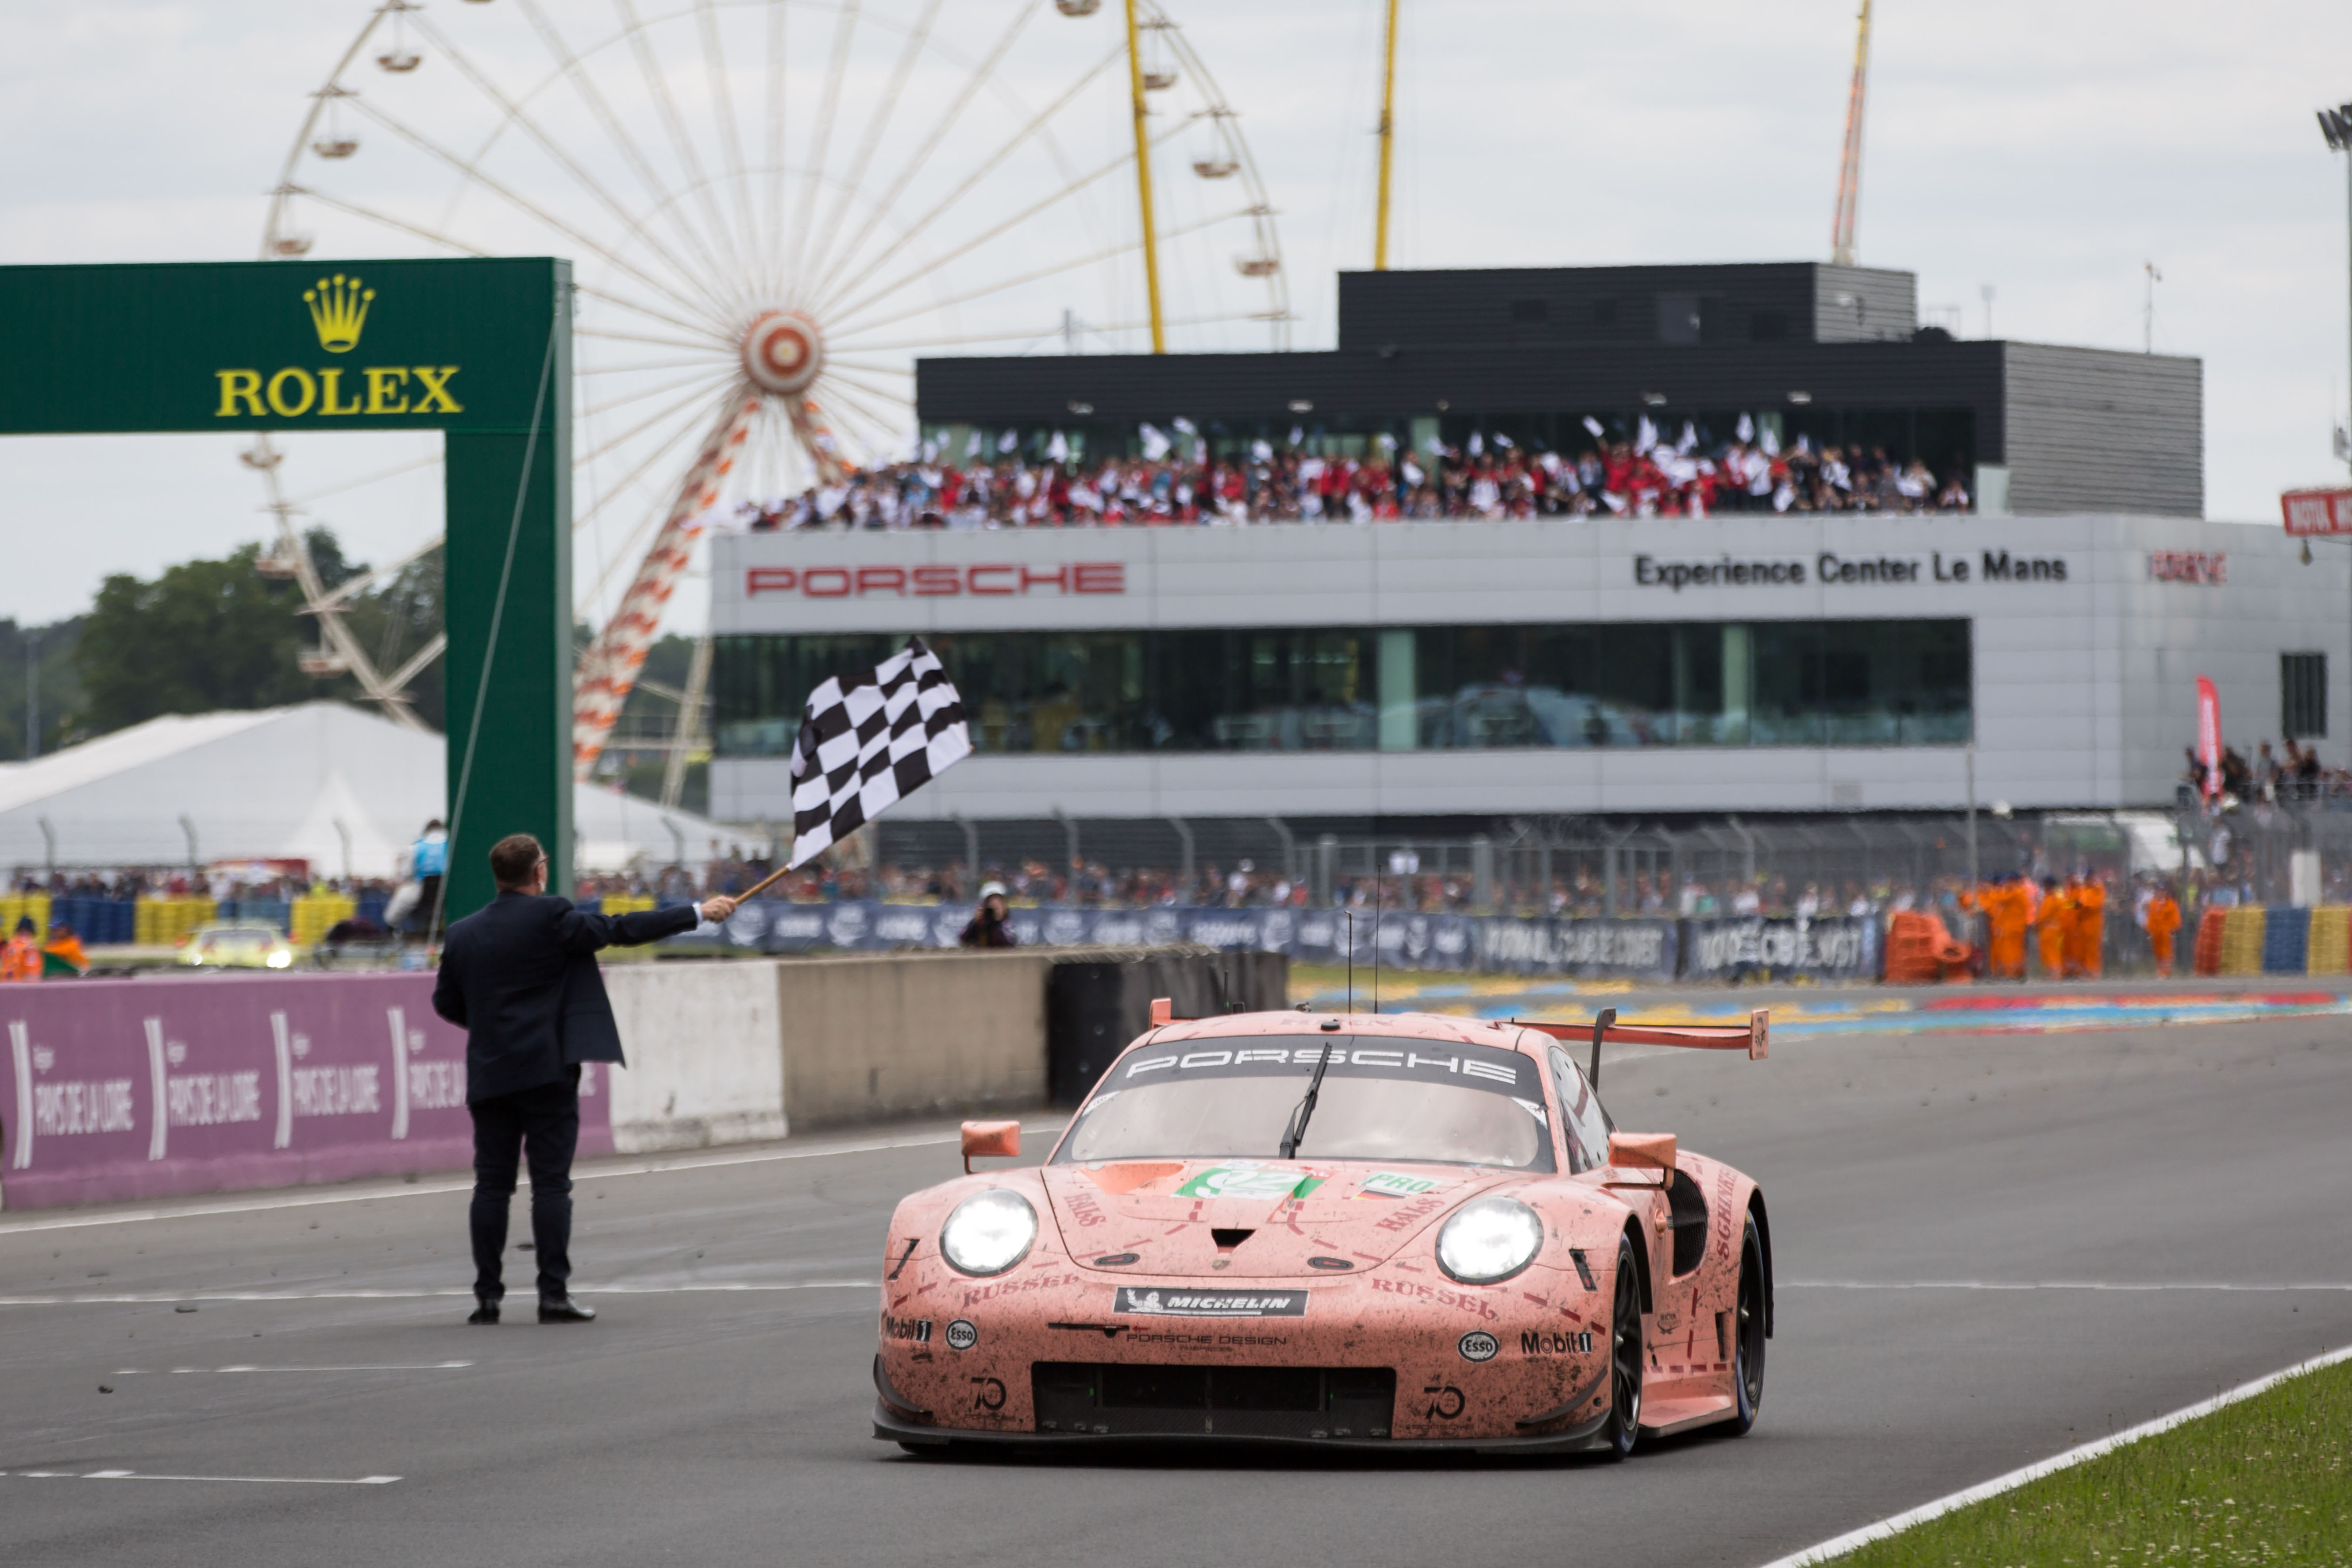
point(1382, 1099)
point(240, 938)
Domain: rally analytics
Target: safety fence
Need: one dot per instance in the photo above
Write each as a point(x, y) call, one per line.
point(1837, 948)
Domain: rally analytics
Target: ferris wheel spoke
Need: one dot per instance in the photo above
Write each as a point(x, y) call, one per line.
point(681, 143)
point(634, 431)
point(777, 101)
point(874, 388)
point(977, 78)
point(876, 123)
point(474, 173)
point(1020, 138)
point(553, 147)
point(659, 454)
point(731, 139)
point(423, 657)
point(873, 366)
point(709, 376)
point(844, 31)
point(704, 337)
point(849, 399)
point(636, 366)
point(409, 468)
point(574, 71)
point(848, 313)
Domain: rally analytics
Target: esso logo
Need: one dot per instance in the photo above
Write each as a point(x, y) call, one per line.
point(1478, 1345)
point(963, 1336)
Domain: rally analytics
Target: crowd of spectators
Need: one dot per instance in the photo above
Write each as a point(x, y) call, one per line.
point(1648, 474)
point(2293, 775)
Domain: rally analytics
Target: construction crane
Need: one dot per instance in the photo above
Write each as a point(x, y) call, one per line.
point(1388, 144)
point(1850, 165)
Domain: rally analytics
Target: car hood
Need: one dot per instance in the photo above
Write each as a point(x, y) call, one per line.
point(1280, 1219)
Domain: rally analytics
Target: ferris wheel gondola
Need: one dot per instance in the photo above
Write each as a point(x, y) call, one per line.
point(772, 208)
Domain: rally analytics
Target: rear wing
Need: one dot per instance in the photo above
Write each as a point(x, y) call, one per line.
point(1755, 1038)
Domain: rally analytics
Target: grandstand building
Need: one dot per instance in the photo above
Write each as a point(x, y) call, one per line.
point(1455, 676)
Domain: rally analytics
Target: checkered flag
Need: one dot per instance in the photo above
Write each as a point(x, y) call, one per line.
point(868, 740)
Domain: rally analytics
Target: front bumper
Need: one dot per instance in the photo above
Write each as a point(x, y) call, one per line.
point(1519, 1367)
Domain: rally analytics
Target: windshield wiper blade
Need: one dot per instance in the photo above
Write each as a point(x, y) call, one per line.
point(1296, 1133)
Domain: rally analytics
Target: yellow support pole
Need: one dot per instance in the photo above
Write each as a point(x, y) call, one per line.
point(1143, 182)
point(1387, 146)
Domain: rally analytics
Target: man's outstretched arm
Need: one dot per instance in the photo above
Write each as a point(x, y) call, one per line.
point(583, 931)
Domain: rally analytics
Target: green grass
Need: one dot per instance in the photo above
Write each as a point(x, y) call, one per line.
point(2267, 1480)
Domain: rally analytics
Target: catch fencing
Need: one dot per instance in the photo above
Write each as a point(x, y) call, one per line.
point(1834, 948)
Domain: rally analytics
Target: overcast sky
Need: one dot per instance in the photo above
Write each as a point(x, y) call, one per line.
point(2047, 151)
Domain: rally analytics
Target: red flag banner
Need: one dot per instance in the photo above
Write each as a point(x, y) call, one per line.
point(2317, 511)
point(2208, 734)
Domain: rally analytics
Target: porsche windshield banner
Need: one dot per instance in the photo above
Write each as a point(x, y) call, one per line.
point(1296, 1056)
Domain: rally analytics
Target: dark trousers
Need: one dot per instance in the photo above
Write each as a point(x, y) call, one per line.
point(542, 1122)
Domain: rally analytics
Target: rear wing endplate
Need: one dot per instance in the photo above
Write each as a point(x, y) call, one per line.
point(1755, 1038)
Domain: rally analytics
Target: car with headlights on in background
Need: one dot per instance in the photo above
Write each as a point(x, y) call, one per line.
point(1389, 1231)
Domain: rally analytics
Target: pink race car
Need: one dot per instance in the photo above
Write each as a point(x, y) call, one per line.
point(1389, 1231)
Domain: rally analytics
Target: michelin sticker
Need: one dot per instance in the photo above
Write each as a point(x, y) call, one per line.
point(1169, 1303)
point(1248, 1181)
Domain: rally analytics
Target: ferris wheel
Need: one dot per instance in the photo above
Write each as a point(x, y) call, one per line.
point(772, 207)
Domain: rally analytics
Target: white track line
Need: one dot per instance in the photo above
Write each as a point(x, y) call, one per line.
point(241, 1480)
point(130, 1298)
point(649, 1167)
point(1897, 1523)
point(185, 1371)
point(2121, 1284)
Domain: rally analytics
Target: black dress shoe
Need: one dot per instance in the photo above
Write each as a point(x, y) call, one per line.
point(564, 1310)
point(487, 1312)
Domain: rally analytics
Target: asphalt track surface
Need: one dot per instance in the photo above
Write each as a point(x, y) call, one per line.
point(1990, 1248)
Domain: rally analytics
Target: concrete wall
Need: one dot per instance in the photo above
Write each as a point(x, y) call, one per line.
point(706, 1061)
point(897, 1034)
point(727, 1053)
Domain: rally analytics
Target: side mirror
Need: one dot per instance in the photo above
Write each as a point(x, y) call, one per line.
point(1002, 1139)
point(1641, 1151)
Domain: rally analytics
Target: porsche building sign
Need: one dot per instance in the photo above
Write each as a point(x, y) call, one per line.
point(480, 350)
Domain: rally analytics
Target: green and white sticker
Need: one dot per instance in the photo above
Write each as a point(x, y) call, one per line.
point(1248, 1181)
point(1389, 1184)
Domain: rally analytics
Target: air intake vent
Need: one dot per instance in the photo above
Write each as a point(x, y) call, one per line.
point(1227, 1240)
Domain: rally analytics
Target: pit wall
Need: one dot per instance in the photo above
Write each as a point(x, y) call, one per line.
point(129, 1090)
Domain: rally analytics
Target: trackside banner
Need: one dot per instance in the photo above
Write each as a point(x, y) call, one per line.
point(1627, 949)
point(142, 1089)
point(1845, 947)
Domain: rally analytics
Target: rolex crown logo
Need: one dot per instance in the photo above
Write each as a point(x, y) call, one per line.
point(339, 308)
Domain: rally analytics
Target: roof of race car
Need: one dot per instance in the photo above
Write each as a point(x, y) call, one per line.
point(1494, 1033)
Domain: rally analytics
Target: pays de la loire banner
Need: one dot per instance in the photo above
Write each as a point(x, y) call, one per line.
point(143, 1088)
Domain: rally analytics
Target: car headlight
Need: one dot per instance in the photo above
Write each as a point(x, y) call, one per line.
point(1489, 1240)
point(280, 960)
point(989, 1233)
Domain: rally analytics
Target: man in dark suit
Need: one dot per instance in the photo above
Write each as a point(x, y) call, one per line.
point(519, 976)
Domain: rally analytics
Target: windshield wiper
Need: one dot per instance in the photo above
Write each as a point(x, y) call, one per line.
point(1296, 1132)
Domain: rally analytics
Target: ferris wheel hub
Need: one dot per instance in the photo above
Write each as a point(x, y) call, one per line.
point(783, 353)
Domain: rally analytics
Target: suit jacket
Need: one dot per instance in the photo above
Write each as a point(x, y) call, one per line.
point(519, 976)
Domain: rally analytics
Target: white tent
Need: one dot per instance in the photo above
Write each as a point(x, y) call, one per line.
point(321, 781)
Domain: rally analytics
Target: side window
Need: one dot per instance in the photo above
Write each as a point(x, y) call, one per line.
point(1585, 1123)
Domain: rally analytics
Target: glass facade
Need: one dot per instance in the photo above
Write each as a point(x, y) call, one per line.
point(1730, 683)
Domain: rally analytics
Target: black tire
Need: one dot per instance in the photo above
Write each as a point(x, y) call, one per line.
point(1625, 1354)
point(1747, 1333)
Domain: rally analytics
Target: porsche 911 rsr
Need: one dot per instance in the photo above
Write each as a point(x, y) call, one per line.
point(1371, 1231)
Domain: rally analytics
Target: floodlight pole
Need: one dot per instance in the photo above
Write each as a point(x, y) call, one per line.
point(2336, 127)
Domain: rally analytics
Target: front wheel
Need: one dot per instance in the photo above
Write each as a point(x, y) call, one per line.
point(1747, 1332)
point(1624, 1428)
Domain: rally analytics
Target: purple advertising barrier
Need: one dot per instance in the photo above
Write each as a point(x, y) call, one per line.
point(141, 1088)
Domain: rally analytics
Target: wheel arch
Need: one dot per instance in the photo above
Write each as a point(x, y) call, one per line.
point(1646, 1278)
point(1756, 1212)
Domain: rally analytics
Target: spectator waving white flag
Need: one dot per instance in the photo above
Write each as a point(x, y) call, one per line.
point(868, 740)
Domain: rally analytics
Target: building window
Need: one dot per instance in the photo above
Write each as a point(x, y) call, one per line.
point(2303, 695)
point(1400, 689)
